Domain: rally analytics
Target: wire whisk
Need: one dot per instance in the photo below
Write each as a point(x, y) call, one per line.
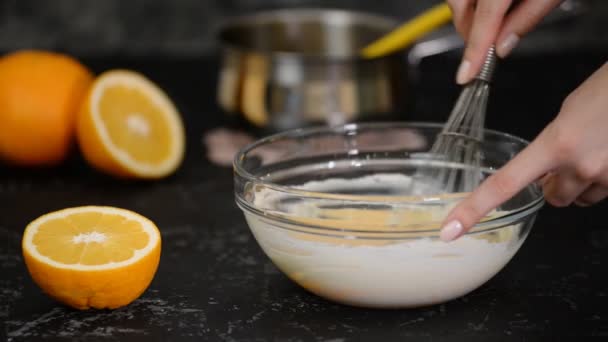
point(457, 147)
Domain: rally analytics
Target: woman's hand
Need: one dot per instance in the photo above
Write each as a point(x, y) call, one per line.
point(570, 154)
point(485, 22)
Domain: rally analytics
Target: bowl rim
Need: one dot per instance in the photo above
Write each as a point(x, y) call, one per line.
point(501, 220)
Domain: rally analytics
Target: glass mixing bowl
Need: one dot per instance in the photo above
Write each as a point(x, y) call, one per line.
point(333, 209)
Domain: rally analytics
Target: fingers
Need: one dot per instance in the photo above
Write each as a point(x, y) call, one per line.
point(521, 21)
point(594, 194)
point(483, 22)
point(530, 164)
point(462, 14)
point(488, 18)
point(563, 188)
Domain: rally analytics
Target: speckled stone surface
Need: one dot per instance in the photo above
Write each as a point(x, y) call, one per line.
point(215, 284)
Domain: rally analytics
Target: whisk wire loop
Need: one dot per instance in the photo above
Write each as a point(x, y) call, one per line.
point(459, 142)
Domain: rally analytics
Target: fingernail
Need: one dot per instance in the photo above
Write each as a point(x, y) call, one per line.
point(463, 72)
point(507, 45)
point(451, 231)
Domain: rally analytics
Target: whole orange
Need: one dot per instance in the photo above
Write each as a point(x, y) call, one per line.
point(40, 93)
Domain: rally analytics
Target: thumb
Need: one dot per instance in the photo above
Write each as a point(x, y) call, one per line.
point(530, 164)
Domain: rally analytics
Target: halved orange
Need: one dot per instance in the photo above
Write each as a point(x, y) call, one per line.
point(92, 257)
point(128, 127)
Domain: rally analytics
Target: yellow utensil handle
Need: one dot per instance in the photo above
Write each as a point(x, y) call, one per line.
point(409, 32)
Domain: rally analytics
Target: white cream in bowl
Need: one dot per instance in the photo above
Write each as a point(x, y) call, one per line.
point(351, 267)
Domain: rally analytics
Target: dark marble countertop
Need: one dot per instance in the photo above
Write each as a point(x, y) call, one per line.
point(214, 283)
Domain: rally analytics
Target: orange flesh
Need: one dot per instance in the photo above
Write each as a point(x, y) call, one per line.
point(150, 141)
point(90, 239)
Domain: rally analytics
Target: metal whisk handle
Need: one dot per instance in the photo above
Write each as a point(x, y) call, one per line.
point(487, 70)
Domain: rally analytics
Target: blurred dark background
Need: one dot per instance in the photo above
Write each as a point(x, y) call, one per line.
point(187, 27)
point(174, 43)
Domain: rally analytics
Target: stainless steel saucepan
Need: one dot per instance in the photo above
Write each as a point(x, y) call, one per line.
point(289, 68)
